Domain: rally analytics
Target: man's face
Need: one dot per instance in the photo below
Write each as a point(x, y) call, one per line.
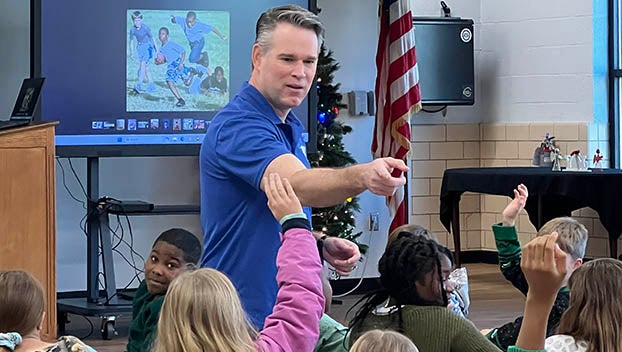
point(284, 72)
point(163, 36)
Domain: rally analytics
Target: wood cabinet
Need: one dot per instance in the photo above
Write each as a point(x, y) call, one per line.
point(27, 209)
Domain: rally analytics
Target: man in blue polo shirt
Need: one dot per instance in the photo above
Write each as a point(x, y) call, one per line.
point(256, 134)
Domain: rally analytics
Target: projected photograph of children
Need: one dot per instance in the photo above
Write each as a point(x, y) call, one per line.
point(177, 60)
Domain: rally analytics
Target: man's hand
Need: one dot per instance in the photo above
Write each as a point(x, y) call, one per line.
point(377, 176)
point(173, 19)
point(510, 213)
point(281, 197)
point(341, 254)
point(544, 266)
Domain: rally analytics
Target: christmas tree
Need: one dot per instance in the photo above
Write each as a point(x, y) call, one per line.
point(337, 220)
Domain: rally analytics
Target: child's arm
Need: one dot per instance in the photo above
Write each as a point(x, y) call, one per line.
point(544, 265)
point(217, 32)
point(506, 239)
point(294, 322)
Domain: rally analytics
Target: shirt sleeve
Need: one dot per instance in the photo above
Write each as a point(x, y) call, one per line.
point(246, 146)
point(506, 239)
point(205, 28)
point(294, 322)
point(181, 21)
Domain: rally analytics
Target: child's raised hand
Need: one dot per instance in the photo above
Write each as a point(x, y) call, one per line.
point(544, 266)
point(281, 197)
point(510, 213)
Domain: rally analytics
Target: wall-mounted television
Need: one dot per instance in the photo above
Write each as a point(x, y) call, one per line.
point(114, 95)
point(445, 60)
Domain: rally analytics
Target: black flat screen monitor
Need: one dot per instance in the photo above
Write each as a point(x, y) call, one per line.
point(114, 95)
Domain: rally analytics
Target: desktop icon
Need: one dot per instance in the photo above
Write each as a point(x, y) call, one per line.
point(176, 124)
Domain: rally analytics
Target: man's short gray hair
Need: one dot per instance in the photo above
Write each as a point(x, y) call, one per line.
point(292, 14)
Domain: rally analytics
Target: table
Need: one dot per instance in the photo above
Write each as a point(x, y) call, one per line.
point(551, 194)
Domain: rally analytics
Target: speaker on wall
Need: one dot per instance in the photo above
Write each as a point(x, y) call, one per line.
point(445, 60)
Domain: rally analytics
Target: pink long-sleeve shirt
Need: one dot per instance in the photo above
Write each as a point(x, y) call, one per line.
point(294, 322)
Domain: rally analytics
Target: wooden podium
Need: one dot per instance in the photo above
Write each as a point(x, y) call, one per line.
point(27, 209)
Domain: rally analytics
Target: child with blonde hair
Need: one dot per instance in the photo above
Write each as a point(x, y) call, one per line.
point(203, 312)
point(382, 341)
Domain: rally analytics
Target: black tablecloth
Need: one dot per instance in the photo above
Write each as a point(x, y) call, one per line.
point(559, 192)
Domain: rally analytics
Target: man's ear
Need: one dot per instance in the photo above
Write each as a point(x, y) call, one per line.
point(577, 263)
point(256, 55)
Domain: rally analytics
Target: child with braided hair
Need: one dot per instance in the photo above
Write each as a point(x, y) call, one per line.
point(410, 274)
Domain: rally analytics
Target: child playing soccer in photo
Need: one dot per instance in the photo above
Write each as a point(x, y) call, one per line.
point(145, 46)
point(173, 54)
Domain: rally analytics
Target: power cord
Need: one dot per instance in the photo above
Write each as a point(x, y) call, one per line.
point(435, 111)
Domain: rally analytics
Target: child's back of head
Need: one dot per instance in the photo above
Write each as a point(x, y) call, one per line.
point(22, 302)
point(593, 315)
point(203, 312)
point(572, 235)
point(381, 341)
point(410, 230)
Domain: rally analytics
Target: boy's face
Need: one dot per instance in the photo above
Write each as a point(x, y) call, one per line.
point(219, 76)
point(446, 269)
point(429, 287)
point(137, 22)
point(165, 262)
point(190, 21)
point(163, 36)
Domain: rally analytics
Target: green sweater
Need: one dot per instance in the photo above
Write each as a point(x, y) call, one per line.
point(145, 313)
point(332, 336)
point(431, 328)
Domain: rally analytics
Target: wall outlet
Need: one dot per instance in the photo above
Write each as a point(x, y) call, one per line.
point(374, 220)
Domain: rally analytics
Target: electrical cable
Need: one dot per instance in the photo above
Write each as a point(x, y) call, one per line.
point(435, 111)
point(62, 169)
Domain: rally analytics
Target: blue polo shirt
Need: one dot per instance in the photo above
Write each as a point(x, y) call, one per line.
point(241, 236)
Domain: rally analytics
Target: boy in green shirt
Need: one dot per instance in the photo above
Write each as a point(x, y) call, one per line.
point(572, 239)
point(173, 252)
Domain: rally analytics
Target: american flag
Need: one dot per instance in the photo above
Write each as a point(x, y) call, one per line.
point(397, 92)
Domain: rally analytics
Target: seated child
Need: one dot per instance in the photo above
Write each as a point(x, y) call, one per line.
point(593, 319)
point(22, 310)
point(458, 295)
point(411, 277)
point(172, 252)
point(572, 240)
point(381, 341)
point(203, 312)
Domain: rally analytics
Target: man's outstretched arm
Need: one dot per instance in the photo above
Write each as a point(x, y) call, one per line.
point(322, 187)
